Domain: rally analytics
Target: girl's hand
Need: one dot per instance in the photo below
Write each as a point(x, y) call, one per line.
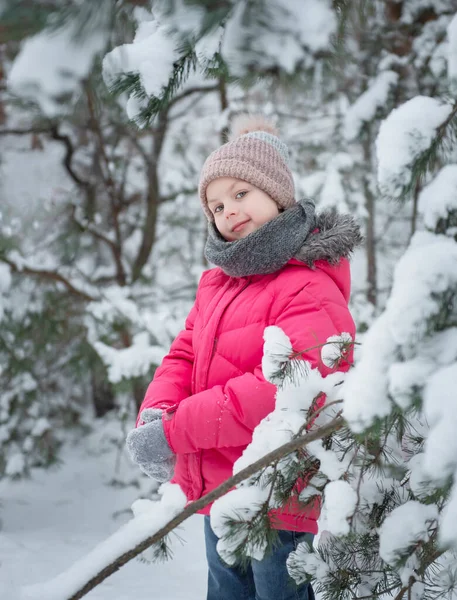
point(149, 449)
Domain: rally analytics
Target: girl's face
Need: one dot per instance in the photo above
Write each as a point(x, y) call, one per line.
point(239, 208)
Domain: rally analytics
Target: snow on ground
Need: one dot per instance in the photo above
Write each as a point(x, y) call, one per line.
point(57, 516)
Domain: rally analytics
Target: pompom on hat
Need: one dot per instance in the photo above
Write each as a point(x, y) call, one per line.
point(254, 153)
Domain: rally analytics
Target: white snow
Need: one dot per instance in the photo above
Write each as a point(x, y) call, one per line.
point(365, 389)
point(53, 521)
point(15, 465)
point(134, 361)
point(51, 64)
point(208, 45)
point(419, 482)
point(302, 562)
point(306, 28)
point(365, 107)
point(439, 196)
point(151, 54)
point(403, 136)
point(452, 53)
point(331, 465)
point(127, 537)
point(241, 504)
point(276, 351)
point(448, 522)
point(440, 409)
point(314, 21)
point(405, 376)
point(41, 426)
point(187, 18)
point(431, 262)
point(150, 343)
point(335, 346)
point(340, 500)
point(333, 193)
point(403, 527)
point(134, 106)
point(5, 283)
point(59, 516)
point(311, 184)
point(5, 278)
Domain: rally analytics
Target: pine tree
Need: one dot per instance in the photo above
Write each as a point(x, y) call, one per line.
point(106, 262)
point(387, 478)
point(91, 283)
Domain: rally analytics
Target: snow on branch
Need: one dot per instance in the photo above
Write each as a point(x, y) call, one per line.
point(365, 107)
point(404, 527)
point(410, 135)
point(134, 361)
point(52, 63)
point(439, 197)
point(304, 404)
point(150, 526)
point(5, 284)
point(378, 379)
point(452, 54)
point(19, 264)
point(151, 55)
point(72, 583)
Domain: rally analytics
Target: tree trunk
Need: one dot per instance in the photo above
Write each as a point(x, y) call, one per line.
point(102, 390)
point(2, 87)
point(152, 199)
point(370, 230)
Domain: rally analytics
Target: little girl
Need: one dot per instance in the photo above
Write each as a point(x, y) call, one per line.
point(277, 263)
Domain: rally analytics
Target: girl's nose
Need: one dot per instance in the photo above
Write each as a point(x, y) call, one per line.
point(231, 210)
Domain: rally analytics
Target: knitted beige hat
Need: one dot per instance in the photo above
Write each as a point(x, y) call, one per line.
point(255, 154)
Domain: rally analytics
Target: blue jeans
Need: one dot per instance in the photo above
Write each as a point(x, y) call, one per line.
point(266, 579)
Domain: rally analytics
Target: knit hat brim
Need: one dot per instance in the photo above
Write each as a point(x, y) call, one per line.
point(254, 161)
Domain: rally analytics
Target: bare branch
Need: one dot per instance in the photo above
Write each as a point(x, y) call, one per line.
point(152, 198)
point(68, 158)
point(100, 235)
point(194, 90)
point(174, 195)
point(29, 131)
point(51, 276)
point(53, 132)
point(110, 186)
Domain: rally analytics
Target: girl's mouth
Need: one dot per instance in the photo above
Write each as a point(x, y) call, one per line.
point(239, 226)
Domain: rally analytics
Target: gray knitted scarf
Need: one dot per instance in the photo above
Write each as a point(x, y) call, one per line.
point(289, 235)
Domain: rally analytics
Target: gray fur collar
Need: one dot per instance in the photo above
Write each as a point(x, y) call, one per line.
point(338, 236)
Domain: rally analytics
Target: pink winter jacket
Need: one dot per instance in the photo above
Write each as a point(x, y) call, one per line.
point(211, 384)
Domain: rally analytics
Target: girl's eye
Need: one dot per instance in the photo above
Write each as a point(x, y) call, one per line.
point(219, 206)
point(240, 195)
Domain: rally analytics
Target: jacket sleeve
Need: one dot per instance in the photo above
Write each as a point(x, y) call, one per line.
point(226, 415)
point(172, 379)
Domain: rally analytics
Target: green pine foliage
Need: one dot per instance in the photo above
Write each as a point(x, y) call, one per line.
point(42, 361)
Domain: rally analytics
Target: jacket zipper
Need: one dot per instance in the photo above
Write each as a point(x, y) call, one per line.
point(213, 351)
point(216, 339)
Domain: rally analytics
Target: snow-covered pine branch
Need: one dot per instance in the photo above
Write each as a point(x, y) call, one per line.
point(172, 47)
point(305, 403)
point(151, 523)
point(399, 399)
point(410, 141)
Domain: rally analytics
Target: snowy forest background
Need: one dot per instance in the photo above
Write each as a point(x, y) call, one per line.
point(107, 112)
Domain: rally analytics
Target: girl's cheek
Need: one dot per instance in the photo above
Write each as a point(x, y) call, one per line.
point(221, 231)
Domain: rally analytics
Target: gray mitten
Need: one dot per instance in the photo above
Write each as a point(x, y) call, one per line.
point(149, 449)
